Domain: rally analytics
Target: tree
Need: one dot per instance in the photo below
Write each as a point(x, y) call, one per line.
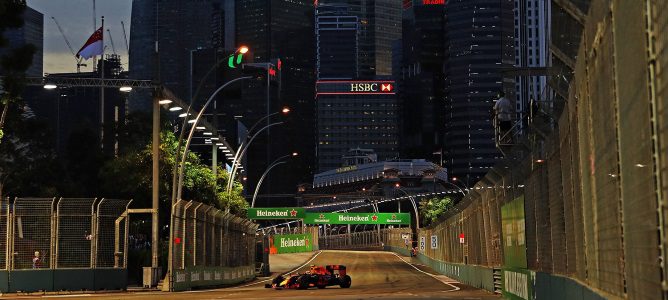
point(130, 176)
point(432, 209)
point(16, 61)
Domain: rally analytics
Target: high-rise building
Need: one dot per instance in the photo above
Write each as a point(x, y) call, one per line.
point(355, 114)
point(479, 45)
point(174, 28)
point(379, 27)
point(531, 51)
point(32, 32)
point(337, 42)
point(420, 77)
point(284, 30)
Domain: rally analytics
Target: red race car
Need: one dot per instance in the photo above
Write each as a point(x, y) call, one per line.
point(320, 277)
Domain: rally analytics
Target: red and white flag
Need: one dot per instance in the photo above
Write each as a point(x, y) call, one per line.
point(94, 46)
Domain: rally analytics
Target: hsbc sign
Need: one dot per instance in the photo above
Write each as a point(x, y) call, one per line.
point(371, 87)
point(354, 87)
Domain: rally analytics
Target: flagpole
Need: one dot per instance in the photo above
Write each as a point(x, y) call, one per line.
point(102, 91)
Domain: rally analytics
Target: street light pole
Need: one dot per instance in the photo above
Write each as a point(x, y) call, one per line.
point(192, 132)
point(417, 215)
point(272, 165)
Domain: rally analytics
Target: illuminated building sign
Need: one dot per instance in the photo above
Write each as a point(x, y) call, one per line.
point(433, 2)
point(352, 87)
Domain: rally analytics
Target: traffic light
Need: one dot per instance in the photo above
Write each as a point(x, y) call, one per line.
point(237, 57)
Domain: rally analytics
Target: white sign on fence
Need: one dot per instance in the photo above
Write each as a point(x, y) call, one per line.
point(423, 242)
point(434, 242)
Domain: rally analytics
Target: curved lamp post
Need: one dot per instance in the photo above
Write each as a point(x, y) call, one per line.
point(456, 186)
point(272, 165)
point(417, 214)
point(241, 50)
point(192, 131)
point(244, 145)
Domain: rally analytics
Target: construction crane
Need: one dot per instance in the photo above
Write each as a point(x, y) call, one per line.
point(125, 36)
point(113, 48)
point(78, 60)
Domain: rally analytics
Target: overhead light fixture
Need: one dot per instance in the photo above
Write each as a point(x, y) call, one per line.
point(175, 108)
point(165, 101)
point(50, 86)
point(215, 138)
point(125, 89)
point(200, 127)
point(218, 144)
point(192, 121)
point(225, 150)
point(228, 154)
point(540, 161)
point(207, 133)
point(183, 115)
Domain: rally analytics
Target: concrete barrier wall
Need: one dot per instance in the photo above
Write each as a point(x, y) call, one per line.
point(196, 277)
point(47, 280)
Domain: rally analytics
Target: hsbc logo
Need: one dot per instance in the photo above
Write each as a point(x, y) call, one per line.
point(371, 87)
point(386, 87)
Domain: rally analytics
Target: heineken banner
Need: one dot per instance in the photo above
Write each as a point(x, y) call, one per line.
point(291, 243)
point(276, 213)
point(358, 218)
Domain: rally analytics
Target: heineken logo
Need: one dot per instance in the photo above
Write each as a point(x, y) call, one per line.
point(290, 242)
point(273, 213)
point(374, 218)
point(293, 213)
point(322, 216)
point(394, 216)
point(347, 218)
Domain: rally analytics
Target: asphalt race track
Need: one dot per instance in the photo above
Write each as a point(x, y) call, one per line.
point(375, 275)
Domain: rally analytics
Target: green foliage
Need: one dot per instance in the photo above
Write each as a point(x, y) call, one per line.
point(432, 209)
point(130, 176)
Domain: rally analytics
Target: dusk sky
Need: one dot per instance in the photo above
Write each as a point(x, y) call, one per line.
point(76, 19)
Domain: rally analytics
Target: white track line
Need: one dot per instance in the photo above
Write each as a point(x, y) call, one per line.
point(306, 263)
point(455, 288)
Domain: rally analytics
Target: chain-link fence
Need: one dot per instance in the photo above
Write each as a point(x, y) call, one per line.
point(65, 233)
point(594, 191)
point(210, 246)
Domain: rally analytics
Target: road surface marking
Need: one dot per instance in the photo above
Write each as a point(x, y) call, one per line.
point(67, 296)
point(455, 288)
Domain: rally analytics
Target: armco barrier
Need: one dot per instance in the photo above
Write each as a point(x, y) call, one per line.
point(197, 277)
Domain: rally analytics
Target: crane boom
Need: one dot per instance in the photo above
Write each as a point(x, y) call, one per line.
point(125, 36)
point(64, 37)
point(78, 60)
point(113, 48)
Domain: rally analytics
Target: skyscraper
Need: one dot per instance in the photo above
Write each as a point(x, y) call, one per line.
point(420, 77)
point(337, 42)
point(531, 50)
point(32, 32)
point(379, 27)
point(174, 28)
point(479, 43)
point(284, 29)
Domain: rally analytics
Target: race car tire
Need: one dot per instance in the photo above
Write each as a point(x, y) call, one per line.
point(278, 280)
point(346, 281)
point(322, 286)
point(302, 283)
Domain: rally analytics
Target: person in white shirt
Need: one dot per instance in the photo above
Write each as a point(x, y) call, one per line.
point(503, 110)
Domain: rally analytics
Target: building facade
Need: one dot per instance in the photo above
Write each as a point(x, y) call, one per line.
point(355, 114)
point(32, 32)
point(337, 42)
point(420, 77)
point(479, 44)
point(379, 27)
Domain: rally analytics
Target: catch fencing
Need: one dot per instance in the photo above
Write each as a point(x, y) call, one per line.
point(210, 247)
point(63, 244)
point(581, 212)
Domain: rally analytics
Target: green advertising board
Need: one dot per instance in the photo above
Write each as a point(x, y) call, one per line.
point(358, 218)
point(518, 282)
point(276, 213)
point(292, 243)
